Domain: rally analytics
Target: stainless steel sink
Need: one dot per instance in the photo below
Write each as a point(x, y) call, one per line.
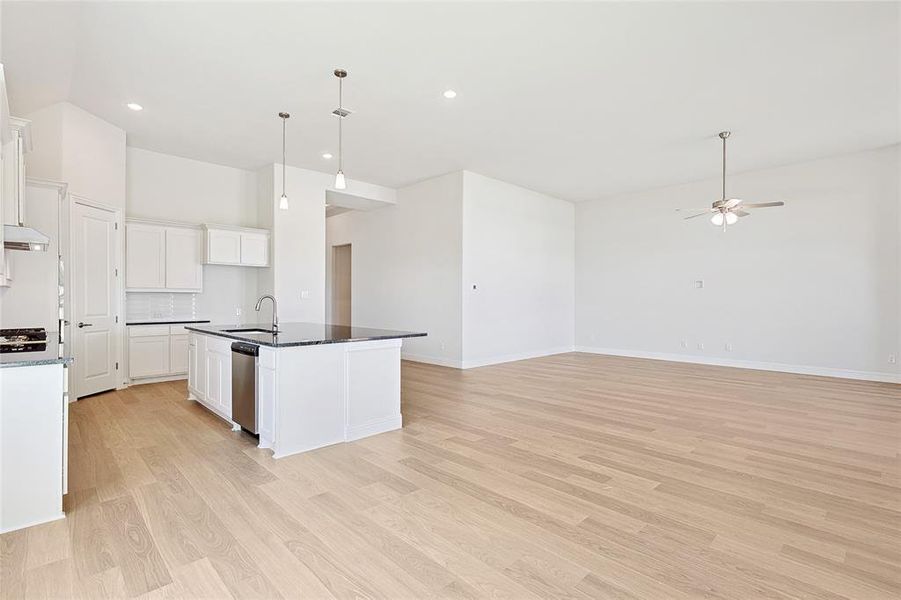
point(250, 330)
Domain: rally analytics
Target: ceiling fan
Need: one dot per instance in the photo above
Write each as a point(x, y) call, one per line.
point(727, 211)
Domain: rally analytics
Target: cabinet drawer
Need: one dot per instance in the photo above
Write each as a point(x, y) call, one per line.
point(147, 330)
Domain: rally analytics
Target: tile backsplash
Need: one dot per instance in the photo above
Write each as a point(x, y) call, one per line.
point(160, 305)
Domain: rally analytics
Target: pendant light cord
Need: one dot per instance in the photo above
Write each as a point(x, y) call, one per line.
point(284, 154)
point(340, 120)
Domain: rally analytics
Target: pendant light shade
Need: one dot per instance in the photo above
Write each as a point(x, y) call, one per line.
point(717, 219)
point(340, 183)
point(283, 201)
point(731, 218)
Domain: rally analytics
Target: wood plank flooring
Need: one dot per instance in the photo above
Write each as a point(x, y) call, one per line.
point(572, 476)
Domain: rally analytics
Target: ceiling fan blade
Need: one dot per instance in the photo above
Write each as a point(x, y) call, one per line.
point(706, 212)
point(733, 202)
point(741, 213)
point(763, 204)
point(693, 209)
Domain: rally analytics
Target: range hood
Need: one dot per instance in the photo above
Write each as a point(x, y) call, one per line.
point(24, 238)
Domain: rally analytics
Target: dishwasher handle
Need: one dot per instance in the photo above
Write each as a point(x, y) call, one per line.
point(246, 349)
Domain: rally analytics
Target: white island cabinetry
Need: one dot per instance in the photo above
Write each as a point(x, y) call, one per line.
point(210, 373)
point(316, 385)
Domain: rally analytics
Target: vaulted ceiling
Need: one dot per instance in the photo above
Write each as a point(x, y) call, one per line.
point(578, 100)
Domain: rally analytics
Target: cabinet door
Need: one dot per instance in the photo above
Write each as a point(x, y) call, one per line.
point(219, 382)
point(254, 249)
point(178, 354)
point(183, 259)
point(223, 247)
point(192, 362)
point(13, 180)
point(145, 256)
point(213, 378)
point(148, 356)
point(200, 387)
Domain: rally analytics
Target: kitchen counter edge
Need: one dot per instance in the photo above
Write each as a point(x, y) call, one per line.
point(253, 340)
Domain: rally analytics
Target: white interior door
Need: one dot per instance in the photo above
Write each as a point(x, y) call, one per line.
point(94, 283)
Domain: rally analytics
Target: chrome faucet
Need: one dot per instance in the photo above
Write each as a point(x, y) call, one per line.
point(274, 310)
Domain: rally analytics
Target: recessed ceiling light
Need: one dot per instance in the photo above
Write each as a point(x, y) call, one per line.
point(450, 94)
point(134, 106)
point(326, 155)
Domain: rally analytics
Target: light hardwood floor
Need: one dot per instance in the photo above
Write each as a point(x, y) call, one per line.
point(572, 476)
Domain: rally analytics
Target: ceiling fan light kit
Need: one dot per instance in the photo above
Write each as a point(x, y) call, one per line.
point(727, 212)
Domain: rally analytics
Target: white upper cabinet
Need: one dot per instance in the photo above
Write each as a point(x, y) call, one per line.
point(239, 246)
point(145, 256)
point(13, 186)
point(183, 254)
point(254, 249)
point(223, 247)
point(163, 258)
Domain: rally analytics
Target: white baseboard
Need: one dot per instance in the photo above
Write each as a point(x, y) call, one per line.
point(357, 432)
point(496, 360)
point(748, 364)
point(161, 379)
point(431, 360)
point(484, 362)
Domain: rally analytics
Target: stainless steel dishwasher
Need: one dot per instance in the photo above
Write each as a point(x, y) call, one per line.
point(244, 385)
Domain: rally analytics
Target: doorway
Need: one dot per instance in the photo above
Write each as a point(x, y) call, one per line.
point(341, 284)
point(94, 298)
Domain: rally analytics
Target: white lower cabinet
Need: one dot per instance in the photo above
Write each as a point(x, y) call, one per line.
point(178, 354)
point(157, 351)
point(210, 373)
point(148, 351)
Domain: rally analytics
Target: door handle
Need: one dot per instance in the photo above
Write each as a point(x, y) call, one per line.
point(81, 324)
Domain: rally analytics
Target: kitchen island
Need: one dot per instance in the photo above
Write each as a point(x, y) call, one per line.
point(316, 384)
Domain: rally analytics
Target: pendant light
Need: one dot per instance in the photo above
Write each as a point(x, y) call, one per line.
point(283, 201)
point(340, 183)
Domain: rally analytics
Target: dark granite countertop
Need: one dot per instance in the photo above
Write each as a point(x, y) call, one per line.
point(301, 334)
point(48, 356)
point(166, 321)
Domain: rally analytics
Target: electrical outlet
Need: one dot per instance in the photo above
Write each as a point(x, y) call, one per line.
point(700, 345)
point(699, 283)
point(728, 347)
point(892, 359)
point(684, 344)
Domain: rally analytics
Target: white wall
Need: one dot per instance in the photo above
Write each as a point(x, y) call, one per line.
point(407, 266)
point(166, 187)
point(811, 287)
point(32, 300)
point(73, 146)
point(162, 186)
point(297, 276)
point(518, 253)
